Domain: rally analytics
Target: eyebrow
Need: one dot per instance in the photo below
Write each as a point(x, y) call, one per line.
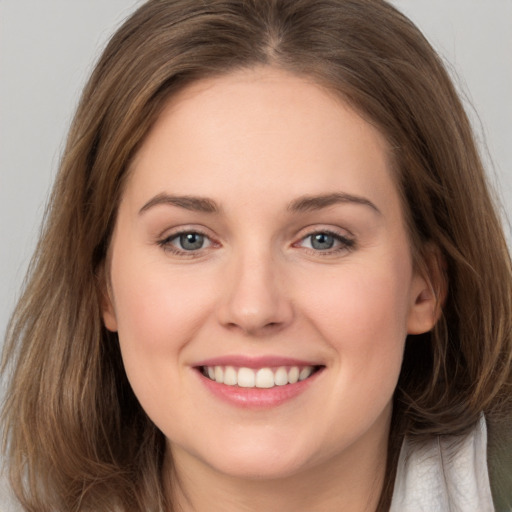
point(302, 204)
point(311, 203)
point(196, 204)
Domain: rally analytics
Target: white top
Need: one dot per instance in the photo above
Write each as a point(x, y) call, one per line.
point(445, 474)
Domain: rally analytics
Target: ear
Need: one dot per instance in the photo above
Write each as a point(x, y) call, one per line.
point(428, 292)
point(106, 300)
point(108, 313)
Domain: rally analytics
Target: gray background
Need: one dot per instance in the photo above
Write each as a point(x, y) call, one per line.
point(47, 49)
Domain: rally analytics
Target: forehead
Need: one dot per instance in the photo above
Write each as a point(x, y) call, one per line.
point(243, 131)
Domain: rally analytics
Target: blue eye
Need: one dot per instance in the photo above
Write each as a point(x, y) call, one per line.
point(322, 241)
point(190, 241)
point(325, 241)
point(186, 242)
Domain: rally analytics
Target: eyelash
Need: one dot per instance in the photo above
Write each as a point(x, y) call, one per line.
point(345, 244)
point(166, 243)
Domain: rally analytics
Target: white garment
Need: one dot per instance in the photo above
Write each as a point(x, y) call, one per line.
point(446, 474)
point(7, 501)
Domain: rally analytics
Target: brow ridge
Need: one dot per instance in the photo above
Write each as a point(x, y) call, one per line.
point(317, 202)
point(301, 204)
point(198, 204)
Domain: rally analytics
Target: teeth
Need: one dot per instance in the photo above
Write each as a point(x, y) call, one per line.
point(219, 374)
point(230, 376)
point(293, 375)
point(246, 378)
point(281, 377)
point(305, 373)
point(262, 378)
point(265, 378)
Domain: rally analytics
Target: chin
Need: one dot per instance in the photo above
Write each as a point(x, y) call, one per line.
point(261, 467)
point(261, 459)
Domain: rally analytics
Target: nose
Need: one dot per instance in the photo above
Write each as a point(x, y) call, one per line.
point(255, 299)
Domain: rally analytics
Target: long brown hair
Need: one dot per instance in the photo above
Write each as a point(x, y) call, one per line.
point(75, 437)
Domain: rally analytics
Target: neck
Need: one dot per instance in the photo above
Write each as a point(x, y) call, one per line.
point(352, 482)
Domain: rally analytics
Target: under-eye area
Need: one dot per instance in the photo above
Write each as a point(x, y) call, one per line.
point(263, 378)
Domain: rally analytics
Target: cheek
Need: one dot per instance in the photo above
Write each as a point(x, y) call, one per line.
point(364, 302)
point(364, 320)
point(156, 308)
point(158, 312)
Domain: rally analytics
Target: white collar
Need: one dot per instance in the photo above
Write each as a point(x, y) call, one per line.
point(445, 474)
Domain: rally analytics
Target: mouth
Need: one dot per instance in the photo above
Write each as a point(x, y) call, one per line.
point(260, 378)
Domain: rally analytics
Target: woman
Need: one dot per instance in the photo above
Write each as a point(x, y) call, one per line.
point(271, 264)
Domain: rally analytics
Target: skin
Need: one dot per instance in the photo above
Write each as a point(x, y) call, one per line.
point(255, 142)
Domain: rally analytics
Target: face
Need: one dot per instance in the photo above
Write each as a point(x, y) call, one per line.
point(261, 280)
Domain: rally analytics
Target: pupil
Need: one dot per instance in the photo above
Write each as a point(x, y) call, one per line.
point(191, 241)
point(322, 241)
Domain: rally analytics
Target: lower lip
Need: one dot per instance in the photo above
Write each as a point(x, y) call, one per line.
point(258, 398)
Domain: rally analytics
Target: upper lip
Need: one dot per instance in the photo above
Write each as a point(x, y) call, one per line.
point(243, 361)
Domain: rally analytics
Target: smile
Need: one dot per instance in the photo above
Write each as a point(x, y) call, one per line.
point(263, 378)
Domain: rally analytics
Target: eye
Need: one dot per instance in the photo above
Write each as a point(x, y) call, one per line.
point(327, 242)
point(185, 242)
point(322, 241)
point(190, 241)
